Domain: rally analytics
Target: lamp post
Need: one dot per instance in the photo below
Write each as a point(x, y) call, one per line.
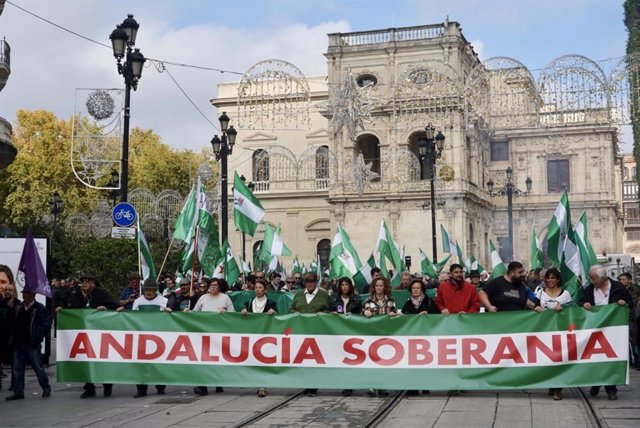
point(125, 36)
point(115, 181)
point(430, 149)
point(509, 190)
point(55, 206)
point(222, 148)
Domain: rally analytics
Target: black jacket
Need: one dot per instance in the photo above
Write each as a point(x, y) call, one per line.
point(426, 305)
point(39, 322)
point(617, 292)
point(98, 297)
point(354, 305)
point(269, 305)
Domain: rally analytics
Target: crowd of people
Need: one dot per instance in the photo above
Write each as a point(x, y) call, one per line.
point(25, 323)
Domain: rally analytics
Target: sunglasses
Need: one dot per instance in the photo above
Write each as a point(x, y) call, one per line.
point(290, 282)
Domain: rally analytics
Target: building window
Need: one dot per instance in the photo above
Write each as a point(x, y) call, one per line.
point(366, 80)
point(369, 146)
point(324, 249)
point(322, 168)
point(558, 175)
point(499, 150)
point(625, 173)
point(261, 170)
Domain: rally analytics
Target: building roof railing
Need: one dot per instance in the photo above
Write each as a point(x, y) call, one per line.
point(393, 35)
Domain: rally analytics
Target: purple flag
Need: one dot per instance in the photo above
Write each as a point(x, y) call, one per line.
point(31, 275)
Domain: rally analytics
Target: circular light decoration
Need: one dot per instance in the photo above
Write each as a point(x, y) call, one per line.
point(100, 104)
point(446, 173)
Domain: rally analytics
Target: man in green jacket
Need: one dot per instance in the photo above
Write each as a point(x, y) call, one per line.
point(310, 300)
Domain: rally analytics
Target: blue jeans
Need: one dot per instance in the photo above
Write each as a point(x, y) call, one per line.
point(22, 353)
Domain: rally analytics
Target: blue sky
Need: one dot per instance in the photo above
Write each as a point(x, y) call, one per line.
point(49, 64)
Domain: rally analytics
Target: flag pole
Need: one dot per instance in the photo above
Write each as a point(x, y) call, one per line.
point(138, 244)
point(194, 258)
point(165, 257)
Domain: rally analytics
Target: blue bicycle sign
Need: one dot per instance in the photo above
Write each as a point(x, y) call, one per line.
point(124, 214)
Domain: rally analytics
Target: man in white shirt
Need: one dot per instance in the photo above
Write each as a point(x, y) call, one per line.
point(213, 301)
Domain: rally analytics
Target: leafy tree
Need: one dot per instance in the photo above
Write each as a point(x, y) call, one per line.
point(632, 22)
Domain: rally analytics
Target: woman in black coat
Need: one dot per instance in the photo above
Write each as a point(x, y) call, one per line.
point(419, 302)
point(345, 300)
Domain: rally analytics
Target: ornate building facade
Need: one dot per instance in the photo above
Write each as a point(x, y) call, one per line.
point(344, 148)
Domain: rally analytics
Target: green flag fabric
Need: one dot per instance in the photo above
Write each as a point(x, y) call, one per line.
point(247, 210)
point(426, 265)
point(497, 267)
point(147, 265)
point(343, 259)
point(537, 257)
point(388, 250)
point(186, 222)
point(272, 245)
point(448, 244)
point(587, 255)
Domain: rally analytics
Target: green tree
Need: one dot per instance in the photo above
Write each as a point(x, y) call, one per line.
point(632, 22)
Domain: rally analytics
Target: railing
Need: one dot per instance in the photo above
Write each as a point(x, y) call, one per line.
point(322, 183)
point(261, 186)
point(361, 38)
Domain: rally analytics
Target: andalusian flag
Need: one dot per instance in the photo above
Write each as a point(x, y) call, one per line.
point(247, 211)
point(587, 255)
point(448, 243)
point(186, 222)
point(387, 249)
point(458, 254)
point(208, 246)
point(343, 259)
point(537, 257)
point(146, 260)
point(296, 268)
point(558, 230)
point(246, 268)
point(227, 267)
point(441, 264)
point(497, 267)
point(426, 265)
point(272, 245)
point(363, 277)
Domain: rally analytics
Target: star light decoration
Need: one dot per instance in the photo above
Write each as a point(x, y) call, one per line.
point(362, 174)
point(350, 106)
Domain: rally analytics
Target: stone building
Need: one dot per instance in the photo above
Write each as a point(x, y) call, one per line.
point(344, 148)
point(630, 207)
point(7, 150)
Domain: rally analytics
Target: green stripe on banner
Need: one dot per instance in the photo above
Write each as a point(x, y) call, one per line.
point(289, 377)
point(470, 351)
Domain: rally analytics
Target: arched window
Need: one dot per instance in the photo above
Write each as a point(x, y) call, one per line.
point(324, 249)
point(261, 170)
point(369, 146)
point(625, 173)
point(322, 168)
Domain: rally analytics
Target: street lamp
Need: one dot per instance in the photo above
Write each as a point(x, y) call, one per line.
point(222, 148)
point(125, 36)
point(55, 206)
point(430, 149)
point(114, 183)
point(509, 189)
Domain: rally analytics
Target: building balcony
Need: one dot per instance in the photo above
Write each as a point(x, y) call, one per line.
point(630, 190)
point(5, 62)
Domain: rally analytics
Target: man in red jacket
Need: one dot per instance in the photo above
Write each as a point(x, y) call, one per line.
point(455, 295)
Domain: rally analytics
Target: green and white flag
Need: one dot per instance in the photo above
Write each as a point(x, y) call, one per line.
point(186, 222)
point(448, 244)
point(537, 257)
point(246, 268)
point(426, 265)
point(227, 267)
point(558, 229)
point(387, 249)
point(296, 268)
point(343, 259)
point(146, 260)
point(458, 254)
point(363, 277)
point(441, 264)
point(587, 255)
point(272, 245)
point(497, 267)
point(208, 246)
point(247, 211)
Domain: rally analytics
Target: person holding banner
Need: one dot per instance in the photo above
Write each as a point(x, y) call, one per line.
point(260, 304)
point(507, 292)
point(89, 295)
point(553, 297)
point(149, 301)
point(419, 303)
point(310, 300)
point(214, 301)
point(345, 300)
point(604, 291)
point(455, 295)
